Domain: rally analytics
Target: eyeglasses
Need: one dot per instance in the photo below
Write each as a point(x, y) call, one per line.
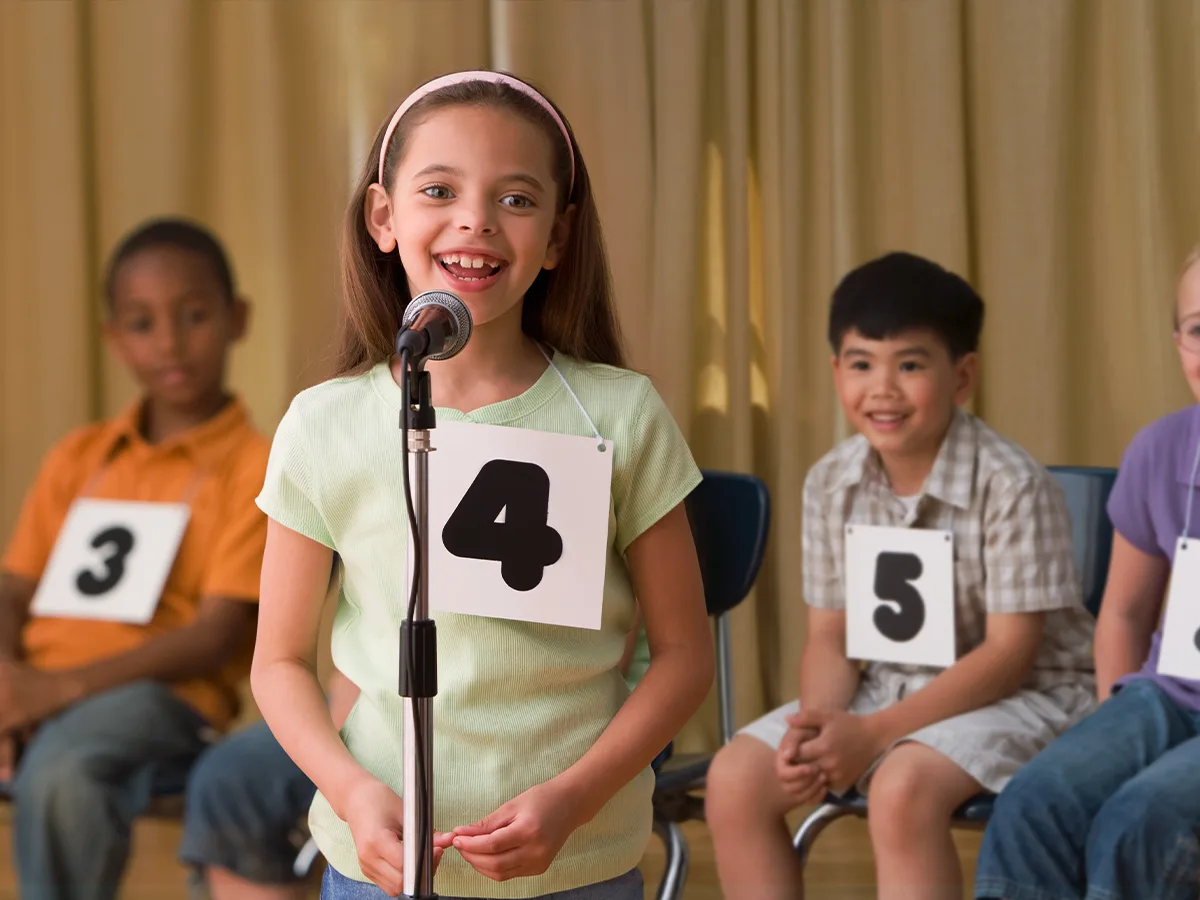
point(1189, 334)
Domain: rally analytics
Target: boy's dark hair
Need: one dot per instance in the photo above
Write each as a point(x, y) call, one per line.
point(901, 291)
point(179, 233)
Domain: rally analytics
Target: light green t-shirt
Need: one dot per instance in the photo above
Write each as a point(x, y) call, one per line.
point(517, 703)
point(639, 662)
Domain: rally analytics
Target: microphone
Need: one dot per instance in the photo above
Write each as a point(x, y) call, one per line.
point(436, 325)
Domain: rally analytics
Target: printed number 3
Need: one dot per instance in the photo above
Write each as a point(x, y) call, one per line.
point(894, 573)
point(523, 543)
point(121, 541)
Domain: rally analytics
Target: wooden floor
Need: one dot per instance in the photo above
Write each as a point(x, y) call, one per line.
point(840, 869)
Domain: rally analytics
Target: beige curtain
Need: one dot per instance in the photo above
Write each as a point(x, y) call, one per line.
point(746, 153)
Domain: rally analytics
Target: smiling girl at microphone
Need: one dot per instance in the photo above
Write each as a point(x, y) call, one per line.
point(541, 756)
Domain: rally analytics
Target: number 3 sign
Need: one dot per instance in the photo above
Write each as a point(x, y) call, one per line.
point(900, 595)
point(518, 524)
point(111, 560)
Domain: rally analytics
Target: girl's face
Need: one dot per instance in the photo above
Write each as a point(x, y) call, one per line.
point(1187, 334)
point(472, 209)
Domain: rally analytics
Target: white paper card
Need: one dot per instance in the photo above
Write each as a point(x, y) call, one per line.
point(1179, 655)
point(111, 560)
point(518, 524)
point(900, 595)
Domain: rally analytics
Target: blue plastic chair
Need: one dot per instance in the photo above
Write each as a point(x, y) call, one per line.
point(1087, 491)
point(730, 516)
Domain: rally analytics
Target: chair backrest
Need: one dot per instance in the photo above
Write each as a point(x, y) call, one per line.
point(1087, 491)
point(730, 516)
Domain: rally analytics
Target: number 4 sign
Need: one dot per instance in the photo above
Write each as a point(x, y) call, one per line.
point(518, 524)
point(900, 595)
point(502, 517)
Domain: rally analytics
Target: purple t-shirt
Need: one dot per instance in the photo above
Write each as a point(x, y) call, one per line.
point(1147, 507)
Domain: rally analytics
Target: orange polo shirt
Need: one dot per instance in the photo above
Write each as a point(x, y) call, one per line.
point(223, 461)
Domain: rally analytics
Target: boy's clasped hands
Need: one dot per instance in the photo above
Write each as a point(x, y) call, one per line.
point(825, 750)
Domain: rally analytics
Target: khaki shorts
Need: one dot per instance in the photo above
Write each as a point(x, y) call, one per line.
point(989, 743)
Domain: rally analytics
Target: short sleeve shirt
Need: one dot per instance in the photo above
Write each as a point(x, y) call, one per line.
point(1011, 529)
point(221, 463)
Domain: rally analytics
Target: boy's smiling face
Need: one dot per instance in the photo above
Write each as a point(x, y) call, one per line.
point(901, 392)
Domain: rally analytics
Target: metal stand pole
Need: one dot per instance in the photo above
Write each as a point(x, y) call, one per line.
point(418, 661)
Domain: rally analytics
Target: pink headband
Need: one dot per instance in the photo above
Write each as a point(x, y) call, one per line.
point(462, 77)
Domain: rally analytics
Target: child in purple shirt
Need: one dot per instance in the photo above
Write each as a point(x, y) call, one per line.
point(1111, 810)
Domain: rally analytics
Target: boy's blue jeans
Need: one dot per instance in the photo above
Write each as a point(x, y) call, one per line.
point(245, 799)
point(84, 778)
point(1109, 811)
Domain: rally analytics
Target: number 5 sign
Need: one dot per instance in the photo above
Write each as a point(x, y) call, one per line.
point(518, 524)
point(900, 595)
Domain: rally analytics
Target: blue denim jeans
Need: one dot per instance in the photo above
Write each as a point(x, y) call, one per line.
point(84, 778)
point(1109, 811)
point(335, 886)
point(245, 802)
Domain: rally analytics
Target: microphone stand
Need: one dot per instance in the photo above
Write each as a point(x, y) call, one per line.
point(418, 640)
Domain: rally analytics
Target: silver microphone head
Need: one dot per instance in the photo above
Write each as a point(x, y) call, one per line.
point(426, 307)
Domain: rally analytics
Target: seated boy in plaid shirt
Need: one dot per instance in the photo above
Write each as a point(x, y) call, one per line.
point(975, 657)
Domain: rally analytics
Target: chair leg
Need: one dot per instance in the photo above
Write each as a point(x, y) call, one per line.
point(676, 870)
point(304, 860)
point(818, 819)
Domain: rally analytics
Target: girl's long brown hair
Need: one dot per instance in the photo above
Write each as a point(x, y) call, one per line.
point(569, 307)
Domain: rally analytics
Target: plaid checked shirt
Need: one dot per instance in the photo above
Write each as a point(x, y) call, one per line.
point(1012, 540)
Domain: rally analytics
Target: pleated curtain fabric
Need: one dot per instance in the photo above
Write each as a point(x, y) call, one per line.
point(745, 154)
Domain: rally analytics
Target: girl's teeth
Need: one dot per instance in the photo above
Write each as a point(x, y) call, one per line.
point(470, 262)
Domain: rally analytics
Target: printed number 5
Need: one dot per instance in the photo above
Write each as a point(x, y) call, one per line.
point(523, 543)
point(121, 541)
point(894, 573)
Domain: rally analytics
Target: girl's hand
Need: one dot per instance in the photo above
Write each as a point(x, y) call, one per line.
point(375, 815)
point(522, 837)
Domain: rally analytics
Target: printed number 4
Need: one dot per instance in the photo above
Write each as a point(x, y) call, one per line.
point(120, 539)
point(523, 543)
point(894, 573)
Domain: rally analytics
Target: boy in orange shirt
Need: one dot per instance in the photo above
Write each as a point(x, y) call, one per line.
point(111, 677)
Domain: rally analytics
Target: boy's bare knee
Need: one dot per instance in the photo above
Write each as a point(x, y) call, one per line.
point(892, 804)
point(915, 791)
point(741, 782)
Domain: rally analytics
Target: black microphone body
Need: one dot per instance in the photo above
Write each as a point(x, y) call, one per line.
point(436, 325)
